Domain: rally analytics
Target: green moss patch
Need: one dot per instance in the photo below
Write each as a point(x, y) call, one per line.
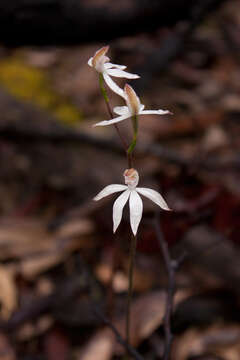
point(33, 85)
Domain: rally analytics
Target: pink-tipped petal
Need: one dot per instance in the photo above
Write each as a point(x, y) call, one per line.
point(99, 55)
point(136, 210)
point(110, 189)
point(122, 74)
point(118, 206)
point(113, 86)
point(132, 100)
point(153, 196)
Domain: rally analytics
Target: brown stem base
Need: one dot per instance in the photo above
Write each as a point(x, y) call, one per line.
point(130, 286)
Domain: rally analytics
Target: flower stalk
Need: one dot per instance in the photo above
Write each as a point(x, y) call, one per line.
point(130, 191)
point(102, 88)
point(130, 285)
point(135, 133)
point(109, 109)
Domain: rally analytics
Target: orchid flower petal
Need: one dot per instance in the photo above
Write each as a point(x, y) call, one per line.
point(99, 57)
point(122, 74)
point(110, 189)
point(156, 112)
point(121, 110)
point(118, 206)
point(136, 210)
point(113, 86)
point(90, 61)
point(154, 196)
point(132, 100)
point(116, 66)
point(113, 121)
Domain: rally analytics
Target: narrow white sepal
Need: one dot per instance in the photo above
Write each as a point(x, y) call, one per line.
point(109, 65)
point(155, 112)
point(121, 110)
point(110, 189)
point(154, 196)
point(136, 210)
point(113, 86)
point(113, 121)
point(118, 206)
point(122, 74)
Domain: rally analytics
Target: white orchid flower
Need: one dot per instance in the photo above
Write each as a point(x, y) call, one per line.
point(133, 108)
point(131, 192)
point(101, 64)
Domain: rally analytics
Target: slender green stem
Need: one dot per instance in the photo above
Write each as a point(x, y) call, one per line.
point(135, 133)
point(132, 145)
point(129, 151)
point(130, 285)
point(106, 98)
point(102, 88)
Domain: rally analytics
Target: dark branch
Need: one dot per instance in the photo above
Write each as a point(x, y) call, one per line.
point(171, 267)
point(70, 137)
point(118, 336)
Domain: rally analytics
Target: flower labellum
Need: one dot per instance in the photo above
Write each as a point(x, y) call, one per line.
point(133, 108)
point(100, 62)
point(130, 192)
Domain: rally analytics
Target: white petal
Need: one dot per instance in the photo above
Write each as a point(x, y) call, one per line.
point(121, 110)
point(136, 210)
point(132, 100)
point(90, 62)
point(110, 189)
point(141, 107)
point(113, 86)
point(122, 74)
point(110, 65)
point(113, 121)
point(154, 196)
point(156, 112)
point(118, 206)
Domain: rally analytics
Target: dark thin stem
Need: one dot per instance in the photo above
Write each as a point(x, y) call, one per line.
point(131, 351)
point(130, 285)
point(171, 270)
point(114, 267)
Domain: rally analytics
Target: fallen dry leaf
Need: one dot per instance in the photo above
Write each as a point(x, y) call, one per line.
point(220, 340)
point(38, 249)
point(6, 350)
point(8, 292)
point(100, 347)
point(146, 315)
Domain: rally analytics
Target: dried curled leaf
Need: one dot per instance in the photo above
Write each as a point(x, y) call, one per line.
point(8, 292)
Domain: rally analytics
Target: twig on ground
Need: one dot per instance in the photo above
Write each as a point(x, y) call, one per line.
point(171, 267)
point(67, 136)
point(119, 337)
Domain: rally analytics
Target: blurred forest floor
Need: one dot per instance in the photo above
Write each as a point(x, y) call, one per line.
point(58, 256)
